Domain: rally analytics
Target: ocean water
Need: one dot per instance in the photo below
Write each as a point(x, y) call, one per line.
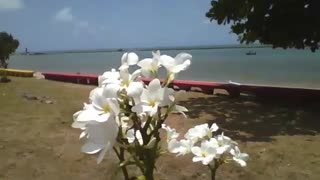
point(277, 67)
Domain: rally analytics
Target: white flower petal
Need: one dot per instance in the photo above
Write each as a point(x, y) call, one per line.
point(108, 77)
point(171, 132)
point(145, 63)
point(196, 151)
point(124, 67)
point(91, 148)
point(174, 146)
point(135, 75)
point(241, 162)
point(144, 96)
point(87, 115)
point(124, 58)
point(181, 67)
point(154, 110)
point(244, 156)
point(207, 160)
point(132, 58)
point(114, 105)
point(197, 159)
point(154, 85)
point(182, 57)
point(167, 61)
point(124, 75)
point(111, 90)
point(180, 109)
point(141, 107)
point(103, 117)
point(99, 136)
point(146, 73)
point(156, 55)
point(98, 100)
point(79, 125)
point(214, 127)
point(102, 153)
point(134, 89)
point(92, 92)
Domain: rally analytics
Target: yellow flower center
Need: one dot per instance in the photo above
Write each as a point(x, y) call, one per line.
point(106, 108)
point(203, 153)
point(125, 83)
point(152, 103)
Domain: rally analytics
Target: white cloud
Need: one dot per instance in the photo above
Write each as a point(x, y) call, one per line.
point(80, 26)
point(64, 15)
point(11, 4)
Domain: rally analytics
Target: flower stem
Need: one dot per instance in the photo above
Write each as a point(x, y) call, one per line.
point(120, 156)
point(149, 163)
point(214, 169)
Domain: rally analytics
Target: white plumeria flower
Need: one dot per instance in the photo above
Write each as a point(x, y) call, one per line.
point(149, 66)
point(83, 117)
point(239, 157)
point(128, 82)
point(132, 135)
point(109, 77)
point(181, 147)
point(174, 65)
point(153, 97)
point(206, 153)
point(101, 109)
point(100, 138)
point(128, 59)
point(104, 104)
point(194, 134)
point(224, 143)
point(171, 132)
point(200, 131)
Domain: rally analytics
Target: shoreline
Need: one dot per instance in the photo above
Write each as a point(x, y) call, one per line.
point(147, 49)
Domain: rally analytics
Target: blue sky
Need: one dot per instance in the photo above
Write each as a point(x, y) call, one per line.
point(89, 24)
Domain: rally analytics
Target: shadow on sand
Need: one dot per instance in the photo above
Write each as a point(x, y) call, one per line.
point(249, 119)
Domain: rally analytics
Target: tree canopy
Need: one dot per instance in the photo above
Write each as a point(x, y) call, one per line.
point(281, 23)
point(8, 45)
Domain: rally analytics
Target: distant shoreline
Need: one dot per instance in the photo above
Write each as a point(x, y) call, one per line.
point(146, 49)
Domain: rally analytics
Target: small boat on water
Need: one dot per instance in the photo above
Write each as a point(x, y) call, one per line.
point(251, 53)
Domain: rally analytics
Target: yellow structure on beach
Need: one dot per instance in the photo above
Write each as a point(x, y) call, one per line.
point(16, 72)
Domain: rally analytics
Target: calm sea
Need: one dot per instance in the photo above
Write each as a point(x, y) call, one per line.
point(295, 68)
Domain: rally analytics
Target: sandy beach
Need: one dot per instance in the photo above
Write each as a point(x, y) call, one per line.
point(37, 142)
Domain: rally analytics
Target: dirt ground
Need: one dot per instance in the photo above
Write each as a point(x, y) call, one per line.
point(37, 142)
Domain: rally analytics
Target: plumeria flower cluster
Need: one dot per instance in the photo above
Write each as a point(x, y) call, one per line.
point(126, 115)
point(205, 147)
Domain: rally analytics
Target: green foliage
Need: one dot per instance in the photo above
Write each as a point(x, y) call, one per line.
point(8, 45)
point(282, 23)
